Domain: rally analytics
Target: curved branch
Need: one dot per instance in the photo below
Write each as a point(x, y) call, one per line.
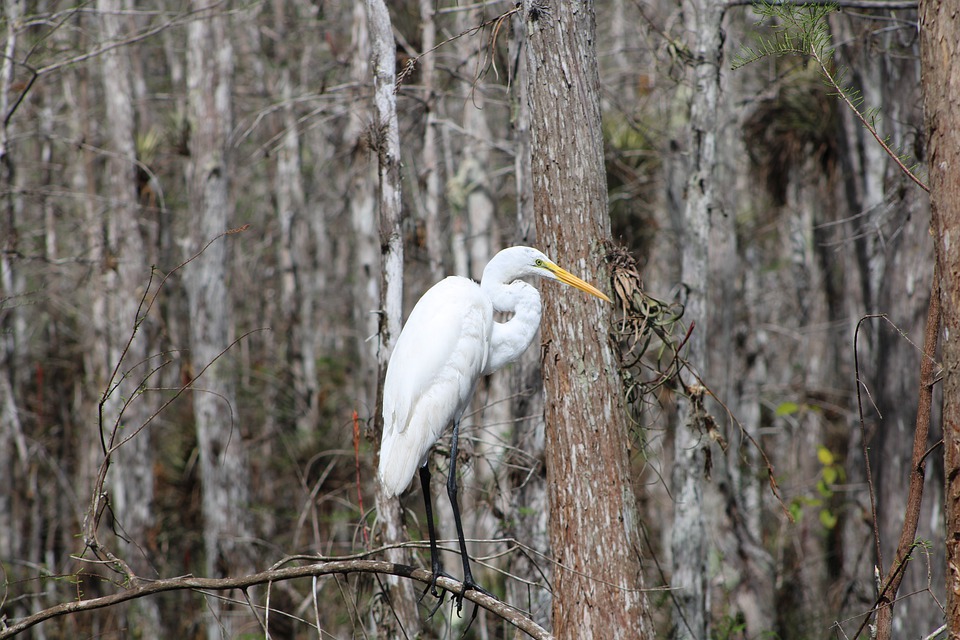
point(907, 542)
point(343, 567)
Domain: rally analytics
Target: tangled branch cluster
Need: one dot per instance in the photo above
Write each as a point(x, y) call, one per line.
point(648, 335)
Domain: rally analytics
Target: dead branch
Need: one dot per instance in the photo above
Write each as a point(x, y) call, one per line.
point(333, 567)
point(907, 542)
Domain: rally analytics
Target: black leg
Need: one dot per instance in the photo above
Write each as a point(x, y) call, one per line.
point(428, 508)
point(468, 582)
point(435, 566)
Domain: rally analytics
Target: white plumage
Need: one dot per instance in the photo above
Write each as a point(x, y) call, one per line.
point(433, 371)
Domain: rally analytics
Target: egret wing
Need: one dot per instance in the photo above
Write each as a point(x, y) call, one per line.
point(433, 371)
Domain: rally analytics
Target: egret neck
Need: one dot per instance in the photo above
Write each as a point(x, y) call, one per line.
point(511, 338)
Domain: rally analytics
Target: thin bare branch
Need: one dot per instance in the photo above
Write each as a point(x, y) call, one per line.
point(863, 438)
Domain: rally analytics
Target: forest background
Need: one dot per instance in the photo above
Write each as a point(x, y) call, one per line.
point(136, 135)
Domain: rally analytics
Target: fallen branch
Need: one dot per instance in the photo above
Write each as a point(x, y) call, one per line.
point(334, 567)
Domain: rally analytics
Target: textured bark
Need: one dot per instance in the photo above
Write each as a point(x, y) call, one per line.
point(689, 545)
point(403, 598)
point(940, 55)
point(526, 511)
point(593, 518)
point(224, 468)
point(383, 67)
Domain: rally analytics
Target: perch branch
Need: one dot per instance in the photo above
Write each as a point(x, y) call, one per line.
point(335, 567)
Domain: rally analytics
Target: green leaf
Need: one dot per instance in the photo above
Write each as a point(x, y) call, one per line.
point(830, 475)
point(824, 456)
point(787, 409)
point(823, 489)
point(796, 510)
point(828, 519)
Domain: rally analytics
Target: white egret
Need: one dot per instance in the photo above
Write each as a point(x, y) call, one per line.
point(449, 341)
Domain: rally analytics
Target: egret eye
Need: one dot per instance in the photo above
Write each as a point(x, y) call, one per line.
point(538, 262)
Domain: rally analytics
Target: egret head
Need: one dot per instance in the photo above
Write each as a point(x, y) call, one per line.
point(518, 262)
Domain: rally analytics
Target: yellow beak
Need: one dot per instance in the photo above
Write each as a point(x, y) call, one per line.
point(566, 277)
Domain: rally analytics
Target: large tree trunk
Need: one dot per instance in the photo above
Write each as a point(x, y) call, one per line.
point(526, 513)
point(224, 469)
point(940, 55)
point(593, 517)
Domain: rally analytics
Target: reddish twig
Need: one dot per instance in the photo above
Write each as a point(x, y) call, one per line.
point(907, 542)
point(356, 457)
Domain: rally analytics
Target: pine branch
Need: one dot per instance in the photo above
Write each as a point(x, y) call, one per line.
point(853, 99)
point(803, 30)
point(887, 5)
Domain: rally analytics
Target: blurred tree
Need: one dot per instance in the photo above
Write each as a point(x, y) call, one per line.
point(128, 360)
point(697, 146)
point(401, 596)
point(224, 466)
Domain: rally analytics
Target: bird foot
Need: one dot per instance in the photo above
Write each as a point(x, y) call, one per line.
point(435, 591)
point(439, 593)
point(470, 585)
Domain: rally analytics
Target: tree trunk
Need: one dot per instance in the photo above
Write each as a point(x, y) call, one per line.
point(383, 65)
point(362, 176)
point(14, 457)
point(224, 470)
point(526, 512)
point(688, 534)
point(593, 517)
point(940, 55)
point(300, 392)
point(124, 276)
